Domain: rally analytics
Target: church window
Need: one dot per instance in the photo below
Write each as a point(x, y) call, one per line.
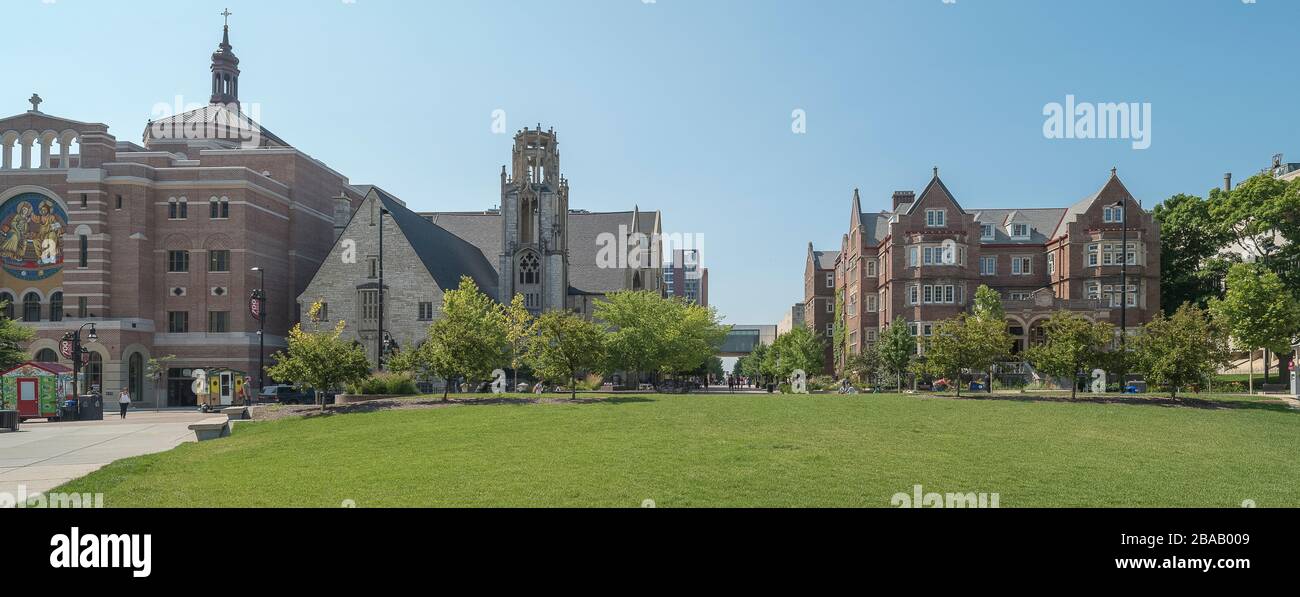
point(218, 322)
point(219, 261)
point(83, 308)
point(374, 267)
point(31, 307)
point(218, 209)
point(56, 306)
point(178, 322)
point(370, 305)
point(83, 201)
point(426, 311)
point(119, 202)
point(83, 251)
point(178, 261)
point(530, 269)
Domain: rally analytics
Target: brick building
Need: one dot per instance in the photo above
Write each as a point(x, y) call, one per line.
point(819, 288)
point(923, 258)
point(153, 243)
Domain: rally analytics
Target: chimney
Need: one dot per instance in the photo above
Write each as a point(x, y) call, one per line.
point(342, 213)
point(901, 197)
point(1227, 181)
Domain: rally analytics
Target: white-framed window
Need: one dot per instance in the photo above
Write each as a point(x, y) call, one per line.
point(871, 268)
point(1051, 264)
point(936, 218)
point(927, 329)
point(989, 265)
point(853, 303)
point(830, 306)
point(1019, 231)
point(872, 334)
point(914, 328)
point(927, 294)
point(853, 340)
point(1132, 295)
point(1112, 214)
point(913, 254)
point(1022, 265)
point(931, 255)
point(1093, 255)
point(872, 303)
point(830, 329)
point(830, 279)
point(1018, 295)
point(1093, 290)
point(986, 232)
point(914, 295)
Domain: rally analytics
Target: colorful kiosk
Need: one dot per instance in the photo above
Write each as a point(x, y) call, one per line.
point(218, 388)
point(36, 390)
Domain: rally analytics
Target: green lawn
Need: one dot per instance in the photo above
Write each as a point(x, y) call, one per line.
point(718, 450)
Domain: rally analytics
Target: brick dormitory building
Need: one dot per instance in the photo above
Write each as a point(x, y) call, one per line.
point(923, 258)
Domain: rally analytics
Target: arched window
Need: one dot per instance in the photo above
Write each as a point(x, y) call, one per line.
point(94, 373)
point(8, 300)
point(530, 269)
point(31, 307)
point(46, 355)
point(135, 375)
point(56, 306)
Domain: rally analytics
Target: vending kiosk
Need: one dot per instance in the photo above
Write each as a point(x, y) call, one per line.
point(218, 388)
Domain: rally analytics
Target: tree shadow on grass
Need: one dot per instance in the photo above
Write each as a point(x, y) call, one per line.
point(437, 402)
point(1164, 401)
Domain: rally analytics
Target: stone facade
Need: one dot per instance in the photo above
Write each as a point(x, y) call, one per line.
point(157, 240)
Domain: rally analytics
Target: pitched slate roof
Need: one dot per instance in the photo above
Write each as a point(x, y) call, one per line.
point(445, 255)
point(825, 259)
point(212, 115)
point(1042, 223)
point(483, 231)
point(875, 227)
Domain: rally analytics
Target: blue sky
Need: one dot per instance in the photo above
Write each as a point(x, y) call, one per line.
point(685, 105)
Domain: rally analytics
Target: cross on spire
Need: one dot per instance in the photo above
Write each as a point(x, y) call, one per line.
point(226, 13)
point(36, 102)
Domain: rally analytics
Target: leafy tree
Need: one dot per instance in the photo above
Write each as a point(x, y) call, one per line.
point(564, 345)
point(1182, 349)
point(799, 348)
point(896, 349)
point(1191, 238)
point(468, 340)
point(864, 367)
point(694, 336)
point(653, 334)
point(964, 343)
point(518, 321)
point(752, 365)
point(1259, 217)
point(14, 338)
point(1072, 345)
point(988, 308)
point(1258, 311)
point(713, 366)
point(988, 304)
point(319, 359)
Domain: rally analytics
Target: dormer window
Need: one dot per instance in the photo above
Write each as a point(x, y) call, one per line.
point(936, 218)
point(1112, 215)
point(1019, 231)
point(986, 232)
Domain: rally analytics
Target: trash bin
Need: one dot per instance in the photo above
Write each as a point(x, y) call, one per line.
point(68, 410)
point(90, 407)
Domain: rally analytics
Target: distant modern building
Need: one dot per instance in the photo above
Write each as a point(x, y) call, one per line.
point(684, 277)
point(792, 319)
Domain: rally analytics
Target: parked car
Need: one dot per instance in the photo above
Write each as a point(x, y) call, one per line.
point(286, 394)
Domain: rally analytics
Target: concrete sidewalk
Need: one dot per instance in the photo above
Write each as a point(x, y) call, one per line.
point(44, 455)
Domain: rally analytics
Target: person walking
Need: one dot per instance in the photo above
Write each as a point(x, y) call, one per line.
point(124, 400)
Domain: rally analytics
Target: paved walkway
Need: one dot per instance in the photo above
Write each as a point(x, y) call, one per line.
point(44, 455)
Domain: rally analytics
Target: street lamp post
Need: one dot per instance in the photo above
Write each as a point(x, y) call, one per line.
point(379, 338)
point(260, 296)
point(77, 351)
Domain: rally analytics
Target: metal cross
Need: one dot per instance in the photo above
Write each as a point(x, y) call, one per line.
point(226, 13)
point(36, 102)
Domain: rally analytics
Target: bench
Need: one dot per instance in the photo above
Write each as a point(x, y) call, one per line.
point(212, 428)
point(236, 413)
point(9, 419)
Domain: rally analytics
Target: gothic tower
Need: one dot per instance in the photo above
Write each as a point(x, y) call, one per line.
point(225, 70)
point(535, 208)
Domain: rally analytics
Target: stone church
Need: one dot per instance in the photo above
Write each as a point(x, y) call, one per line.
point(533, 245)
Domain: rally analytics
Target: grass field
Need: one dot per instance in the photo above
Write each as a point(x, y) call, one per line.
point(743, 450)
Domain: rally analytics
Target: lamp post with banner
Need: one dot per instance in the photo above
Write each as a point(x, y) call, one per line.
point(70, 348)
point(257, 308)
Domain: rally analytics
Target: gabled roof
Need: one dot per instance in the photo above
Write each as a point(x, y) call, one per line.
point(446, 256)
point(825, 259)
point(936, 185)
point(1083, 205)
point(1042, 223)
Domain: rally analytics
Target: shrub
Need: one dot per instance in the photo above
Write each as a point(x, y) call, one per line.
point(392, 384)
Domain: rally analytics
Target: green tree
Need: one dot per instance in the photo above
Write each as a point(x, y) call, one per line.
point(988, 304)
point(988, 308)
point(864, 367)
point(964, 343)
point(565, 345)
point(519, 331)
point(468, 340)
point(897, 346)
point(14, 338)
point(653, 334)
point(1183, 349)
point(1259, 216)
point(320, 359)
point(1191, 238)
point(1258, 311)
point(839, 333)
point(800, 348)
point(1072, 345)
